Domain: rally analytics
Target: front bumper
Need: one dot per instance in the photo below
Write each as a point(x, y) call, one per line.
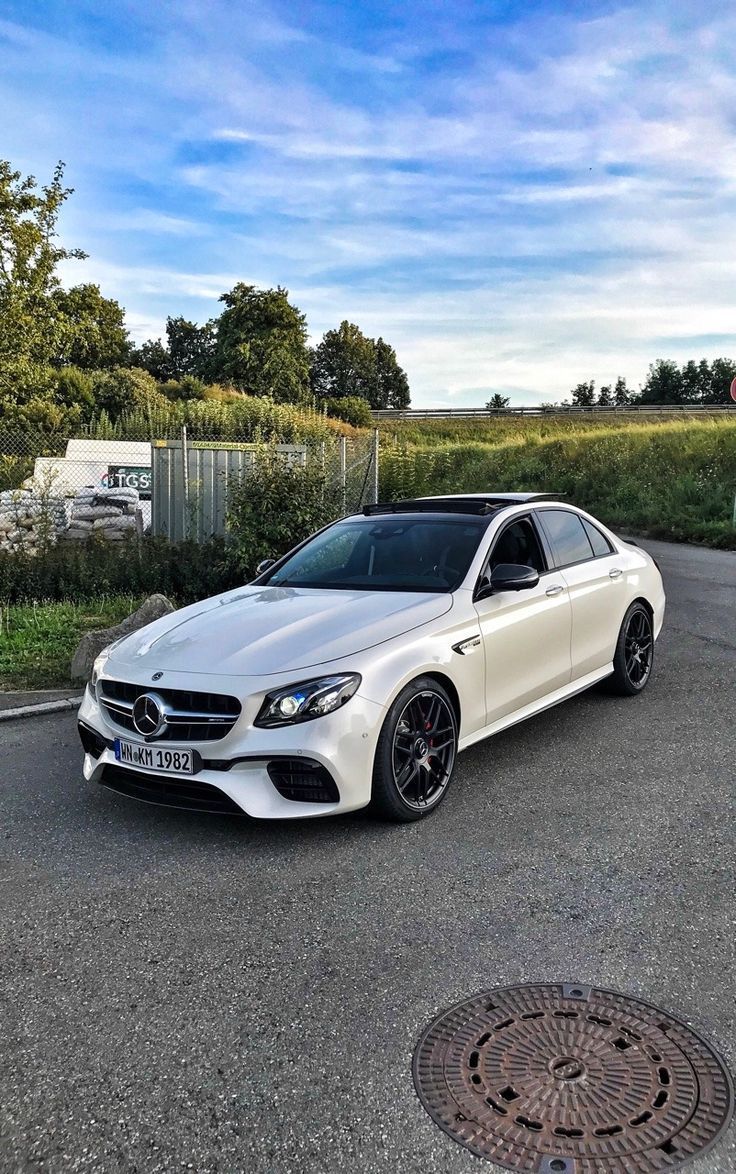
point(252, 771)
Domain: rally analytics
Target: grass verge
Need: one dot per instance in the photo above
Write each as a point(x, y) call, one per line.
point(37, 640)
point(673, 480)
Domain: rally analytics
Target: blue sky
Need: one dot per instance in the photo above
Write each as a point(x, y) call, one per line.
point(518, 196)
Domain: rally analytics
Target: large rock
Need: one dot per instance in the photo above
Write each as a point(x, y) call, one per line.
point(92, 643)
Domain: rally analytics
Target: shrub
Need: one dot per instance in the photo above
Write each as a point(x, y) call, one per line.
point(124, 389)
point(275, 506)
point(83, 571)
point(352, 408)
point(188, 387)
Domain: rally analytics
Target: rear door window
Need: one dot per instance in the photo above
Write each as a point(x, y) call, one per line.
point(570, 543)
point(598, 541)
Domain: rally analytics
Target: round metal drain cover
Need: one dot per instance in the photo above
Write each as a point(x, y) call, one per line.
point(566, 1079)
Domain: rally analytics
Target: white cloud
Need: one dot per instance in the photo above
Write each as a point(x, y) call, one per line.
point(558, 208)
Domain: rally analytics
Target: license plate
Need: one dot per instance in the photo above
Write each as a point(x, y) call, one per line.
point(175, 762)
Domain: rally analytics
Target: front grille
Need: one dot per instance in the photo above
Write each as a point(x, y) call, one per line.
point(303, 781)
point(183, 793)
point(190, 716)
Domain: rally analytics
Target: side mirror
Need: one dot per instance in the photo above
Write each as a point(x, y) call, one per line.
point(264, 564)
point(509, 577)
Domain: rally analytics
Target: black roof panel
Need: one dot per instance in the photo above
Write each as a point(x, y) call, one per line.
point(457, 503)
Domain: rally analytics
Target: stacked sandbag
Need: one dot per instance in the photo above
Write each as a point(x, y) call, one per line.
point(112, 514)
point(30, 520)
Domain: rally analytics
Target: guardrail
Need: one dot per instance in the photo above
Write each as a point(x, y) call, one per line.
point(558, 410)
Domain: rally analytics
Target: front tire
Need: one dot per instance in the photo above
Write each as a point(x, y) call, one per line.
point(634, 656)
point(416, 753)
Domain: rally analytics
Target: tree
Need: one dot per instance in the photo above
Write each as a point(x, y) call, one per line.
point(344, 364)
point(347, 363)
point(93, 335)
point(392, 385)
point(695, 379)
point(154, 358)
point(191, 348)
point(261, 344)
point(497, 401)
point(621, 394)
point(663, 384)
point(31, 322)
point(605, 399)
point(718, 387)
point(584, 394)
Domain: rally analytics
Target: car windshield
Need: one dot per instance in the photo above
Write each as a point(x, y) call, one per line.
point(384, 554)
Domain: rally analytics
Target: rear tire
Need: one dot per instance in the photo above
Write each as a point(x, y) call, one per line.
point(634, 656)
point(416, 753)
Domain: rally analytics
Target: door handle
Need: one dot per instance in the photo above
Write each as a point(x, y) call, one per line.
point(554, 590)
point(615, 573)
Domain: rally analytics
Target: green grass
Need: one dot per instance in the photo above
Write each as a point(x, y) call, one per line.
point(37, 641)
point(669, 479)
point(496, 430)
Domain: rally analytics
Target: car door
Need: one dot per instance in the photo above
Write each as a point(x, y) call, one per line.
point(526, 634)
point(592, 570)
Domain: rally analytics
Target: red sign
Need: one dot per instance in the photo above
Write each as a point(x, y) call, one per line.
point(733, 389)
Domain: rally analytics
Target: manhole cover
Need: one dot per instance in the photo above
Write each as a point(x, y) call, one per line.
point(566, 1079)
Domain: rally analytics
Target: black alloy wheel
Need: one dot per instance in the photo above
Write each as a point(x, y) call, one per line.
point(416, 752)
point(634, 657)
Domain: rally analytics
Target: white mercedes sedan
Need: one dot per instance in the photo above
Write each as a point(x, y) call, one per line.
point(354, 669)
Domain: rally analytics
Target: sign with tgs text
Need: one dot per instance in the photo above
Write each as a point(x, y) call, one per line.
point(130, 477)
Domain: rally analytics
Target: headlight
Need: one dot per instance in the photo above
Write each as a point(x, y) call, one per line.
point(307, 700)
point(98, 666)
point(102, 658)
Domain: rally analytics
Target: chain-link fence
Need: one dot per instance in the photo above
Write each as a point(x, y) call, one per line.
point(55, 489)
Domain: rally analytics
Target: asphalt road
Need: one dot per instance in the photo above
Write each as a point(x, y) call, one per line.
point(188, 992)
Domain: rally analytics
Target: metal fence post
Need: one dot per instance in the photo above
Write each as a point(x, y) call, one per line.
point(185, 482)
point(374, 458)
point(343, 472)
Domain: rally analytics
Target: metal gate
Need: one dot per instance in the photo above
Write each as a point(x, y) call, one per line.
point(191, 483)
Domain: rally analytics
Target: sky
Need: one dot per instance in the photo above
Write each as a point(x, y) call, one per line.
point(517, 196)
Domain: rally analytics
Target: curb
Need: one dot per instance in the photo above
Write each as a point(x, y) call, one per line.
point(42, 707)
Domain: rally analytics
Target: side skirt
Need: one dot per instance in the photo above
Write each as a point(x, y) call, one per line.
point(520, 715)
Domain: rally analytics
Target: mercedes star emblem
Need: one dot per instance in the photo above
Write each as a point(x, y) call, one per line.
point(149, 715)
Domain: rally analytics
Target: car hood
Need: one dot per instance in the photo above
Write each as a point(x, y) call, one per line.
point(255, 631)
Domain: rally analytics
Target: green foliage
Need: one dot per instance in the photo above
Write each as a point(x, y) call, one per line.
point(153, 357)
point(86, 570)
point(261, 344)
point(346, 364)
point(94, 334)
point(191, 348)
point(663, 384)
point(584, 394)
point(37, 641)
point(32, 326)
point(392, 385)
point(243, 418)
point(75, 389)
point(43, 416)
point(275, 506)
point(188, 387)
point(605, 397)
point(666, 383)
point(672, 480)
point(352, 409)
point(125, 389)
point(497, 401)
